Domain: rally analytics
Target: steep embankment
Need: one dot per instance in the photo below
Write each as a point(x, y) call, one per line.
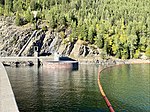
point(20, 41)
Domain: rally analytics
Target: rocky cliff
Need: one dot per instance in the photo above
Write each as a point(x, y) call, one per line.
point(21, 41)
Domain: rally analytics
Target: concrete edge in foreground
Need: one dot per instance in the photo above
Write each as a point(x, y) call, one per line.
point(7, 98)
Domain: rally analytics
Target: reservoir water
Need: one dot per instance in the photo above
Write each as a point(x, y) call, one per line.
point(128, 87)
point(56, 90)
point(60, 90)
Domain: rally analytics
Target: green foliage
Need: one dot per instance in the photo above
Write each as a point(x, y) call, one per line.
point(44, 28)
point(34, 5)
point(119, 27)
point(52, 22)
point(125, 54)
point(18, 19)
point(118, 54)
point(137, 54)
point(63, 20)
point(99, 41)
point(91, 34)
point(147, 53)
point(1, 10)
point(62, 34)
point(8, 7)
point(82, 32)
point(17, 5)
point(29, 16)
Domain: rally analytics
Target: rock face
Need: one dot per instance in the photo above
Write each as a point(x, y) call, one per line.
point(21, 41)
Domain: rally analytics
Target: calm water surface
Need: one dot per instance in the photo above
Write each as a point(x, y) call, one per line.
point(128, 87)
point(55, 90)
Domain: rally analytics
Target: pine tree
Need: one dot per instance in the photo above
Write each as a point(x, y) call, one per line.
point(8, 6)
point(17, 5)
point(18, 19)
point(28, 15)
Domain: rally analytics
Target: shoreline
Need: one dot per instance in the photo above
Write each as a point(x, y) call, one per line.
point(116, 61)
point(83, 61)
point(113, 63)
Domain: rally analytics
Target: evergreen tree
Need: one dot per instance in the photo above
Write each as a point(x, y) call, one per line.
point(17, 5)
point(28, 15)
point(8, 6)
point(18, 19)
point(120, 27)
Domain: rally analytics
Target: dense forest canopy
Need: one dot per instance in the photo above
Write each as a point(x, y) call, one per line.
point(120, 27)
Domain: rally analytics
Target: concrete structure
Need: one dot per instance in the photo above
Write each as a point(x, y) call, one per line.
point(19, 59)
point(48, 62)
point(61, 64)
point(7, 99)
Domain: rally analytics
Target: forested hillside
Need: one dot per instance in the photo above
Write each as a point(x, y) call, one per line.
point(121, 28)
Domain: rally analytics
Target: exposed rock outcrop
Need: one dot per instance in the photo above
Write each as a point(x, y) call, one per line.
point(21, 41)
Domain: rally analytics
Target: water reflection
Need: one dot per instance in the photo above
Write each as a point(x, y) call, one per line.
point(57, 90)
point(127, 87)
